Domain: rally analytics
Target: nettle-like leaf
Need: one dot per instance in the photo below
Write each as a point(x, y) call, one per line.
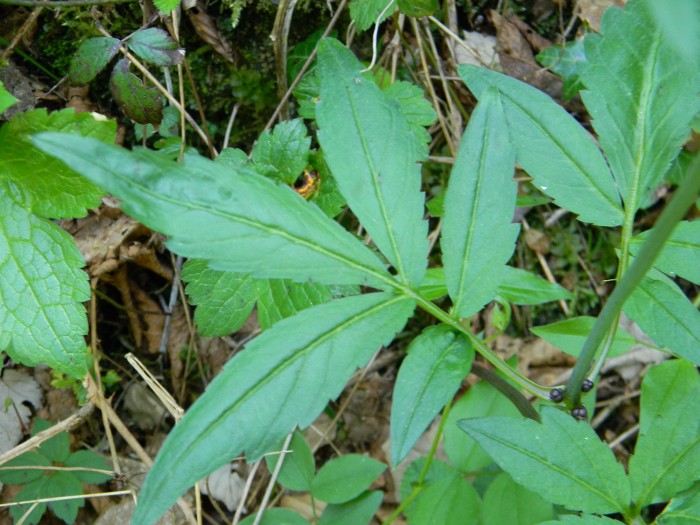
point(561, 459)
point(282, 379)
point(92, 56)
point(642, 96)
point(283, 153)
point(374, 159)
point(438, 360)
point(237, 220)
point(157, 47)
point(139, 103)
point(279, 299)
point(666, 457)
point(480, 198)
point(365, 13)
point(38, 181)
point(553, 148)
point(666, 315)
point(566, 61)
point(680, 255)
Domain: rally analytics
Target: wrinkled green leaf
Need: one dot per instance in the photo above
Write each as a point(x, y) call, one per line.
point(374, 159)
point(522, 287)
point(239, 221)
point(358, 511)
point(478, 234)
point(277, 517)
point(365, 13)
point(6, 98)
point(297, 471)
point(279, 299)
point(522, 506)
point(91, 58)
point(418, 8)
point(553, 148)
point(38, 181)
point(667, 316)
point(481, 400)
point(343, 479)
point(283, 153)
point(684, 509)
point(224, 300)
point(561, 459)
point(642, 97)
point(42, 287)
point(156, 46)
point(570, 335)
point(139, 103)
point(666, 458)
point(566, 61)
point(681, 253)
point(438, 361)
point(282, 379)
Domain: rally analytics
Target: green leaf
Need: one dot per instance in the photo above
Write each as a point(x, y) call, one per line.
point(297, 471)
point(553, 148)
point(64, 484)
point(283, 153)
point(365, 13)
point(418, 8)
point(156, 46)
point(412, 104)
point(679, 22)
point(20, 477)
point(522, 287)
point(561, 459)
point(681, 253)
point(139, 103)
point(282, 379)
point(89, 460)
point(570, 335)
point(667, 316)
point(438, 361)
point(684, 509)
point(279, 299)
point(42, 287)
point(374, 159)
point(523, 506)
point(224, 300)
point(566, 61)
point(478, 234)
point(306, 94)
point(91, 58)
point(165, 6)
point(6, 98)
point(277, 517)
point(666, 458)
point(343, 479)
point(56, 449)
point(586, 519)
point(238, 221)
point(642, 97)
point(433, 285)
point(481, 400)
point(38, 181)
point(34, 490)
point(358, 511)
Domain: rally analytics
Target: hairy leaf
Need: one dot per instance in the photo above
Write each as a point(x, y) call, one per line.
point(156, 46)
point(523, 506)
point(561, 459)
point(553, 148)
point(239, 221)
point(283, 153)
point(666, 457)
point(343, 479)
point(438, 361)
point(681, 253)
point(374, 159)
point(91, 58)
point(667, 316)
point(42, 287)
point(522, 287)
point(139, 103)
point(282, 379)
point(478, 234)
point(570, 335)
point(365, 13)
point(642, 96)
point(36, 180)
point(224, 300)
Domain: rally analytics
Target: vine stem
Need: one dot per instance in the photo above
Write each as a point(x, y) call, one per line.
point(683, 199)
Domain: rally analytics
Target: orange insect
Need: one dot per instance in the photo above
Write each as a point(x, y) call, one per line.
point(308, 183)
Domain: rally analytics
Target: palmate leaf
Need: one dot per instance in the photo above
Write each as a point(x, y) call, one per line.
point(42, 287)
point(553, 148)
point(666, 457)
point(480, 198)
point(374, 159)
point(642, 96)
point(561, 459)
point(237, 220)
point(283, 378)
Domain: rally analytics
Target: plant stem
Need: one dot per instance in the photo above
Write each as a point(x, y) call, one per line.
point(683, 198)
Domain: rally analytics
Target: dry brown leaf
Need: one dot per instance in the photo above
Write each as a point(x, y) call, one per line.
point(591, 11)
point(205, 26)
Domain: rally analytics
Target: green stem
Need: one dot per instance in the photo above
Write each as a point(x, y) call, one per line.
point(683, 199)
